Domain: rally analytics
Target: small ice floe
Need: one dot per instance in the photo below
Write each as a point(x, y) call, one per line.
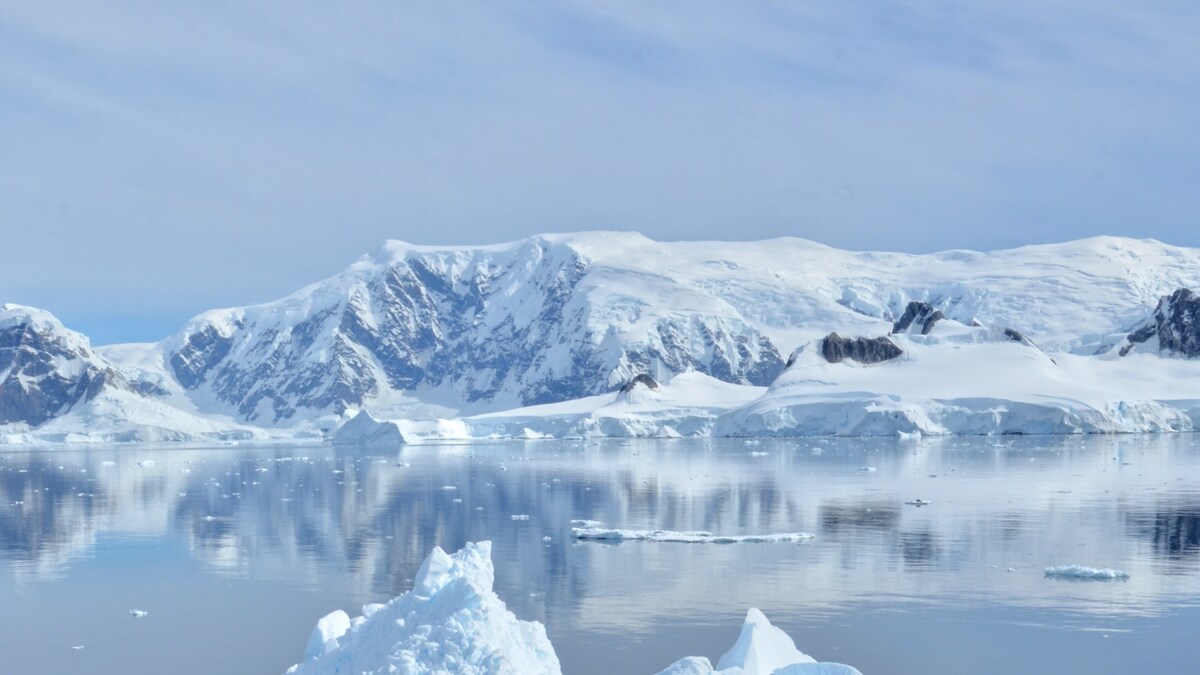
point(918, 502)
point(547, 539)
point(1081, 573)
point(139, 613)
point(520, 516)
point(867, 468)
point(757, 453)
point(77, 647)
point(449, 487)
point(146, 463)
point(586, 523)
point(670, 536)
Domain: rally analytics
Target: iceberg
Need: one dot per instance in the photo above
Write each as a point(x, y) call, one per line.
point(452, 621)
point(761, 649)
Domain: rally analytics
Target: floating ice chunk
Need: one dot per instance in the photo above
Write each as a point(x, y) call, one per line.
point(585, 523)
point(761, 649)
point(918, 502)
point(520, 516)
point(1085, 573)
point(77, 647)
point(146, 463)
point(450, 622)
point(671, 536)
point(139, 613)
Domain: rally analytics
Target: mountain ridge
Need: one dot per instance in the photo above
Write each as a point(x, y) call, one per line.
point(425, 331)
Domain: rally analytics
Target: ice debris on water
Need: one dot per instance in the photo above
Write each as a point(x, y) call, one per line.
point(671, 536)
point(918, 502)
point(452, 621)
point(138, 613)
point(1082, 573)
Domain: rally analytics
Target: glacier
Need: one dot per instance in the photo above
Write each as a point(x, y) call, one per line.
point(537, 339)
point(452, 621)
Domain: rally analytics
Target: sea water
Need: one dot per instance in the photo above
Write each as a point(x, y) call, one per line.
point(928, 555)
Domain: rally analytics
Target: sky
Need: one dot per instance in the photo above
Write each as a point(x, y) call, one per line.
point(161, 158)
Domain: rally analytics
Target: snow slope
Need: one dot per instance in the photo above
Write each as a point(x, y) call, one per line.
point(452, 621)
point(961, 380)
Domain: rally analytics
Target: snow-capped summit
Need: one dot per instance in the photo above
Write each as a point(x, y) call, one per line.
point(46, 369)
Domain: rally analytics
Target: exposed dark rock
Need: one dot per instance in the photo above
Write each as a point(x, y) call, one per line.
point(48, 370)
point(1015, 335)
point(918, 316)
point(1176, 324)
point(836, 349)
point(642, 379)
point(149, 389)
point(201, 351)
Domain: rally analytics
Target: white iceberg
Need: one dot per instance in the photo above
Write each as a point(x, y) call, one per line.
point(673, 536)
point(761, 649)
point(450, 622)
point(1085, 573)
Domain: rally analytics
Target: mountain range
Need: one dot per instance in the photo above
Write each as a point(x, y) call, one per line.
point(494, 341)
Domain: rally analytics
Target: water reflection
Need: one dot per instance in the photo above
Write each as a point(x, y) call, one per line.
point(311, 517)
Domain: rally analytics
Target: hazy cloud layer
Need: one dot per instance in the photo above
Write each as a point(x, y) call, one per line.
point(163, 158)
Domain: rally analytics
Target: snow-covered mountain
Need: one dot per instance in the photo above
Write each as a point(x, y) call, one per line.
point(424, 333)
point(45, 369)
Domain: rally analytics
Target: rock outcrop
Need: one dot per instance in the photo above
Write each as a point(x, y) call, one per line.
point(1174, 326)
point(919, 317)
point(835, 349)
point(643, 380)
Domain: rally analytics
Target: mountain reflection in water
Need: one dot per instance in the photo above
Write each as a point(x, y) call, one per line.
point(324, 528)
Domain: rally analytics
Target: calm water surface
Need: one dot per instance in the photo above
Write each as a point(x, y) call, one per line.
point(236, 552)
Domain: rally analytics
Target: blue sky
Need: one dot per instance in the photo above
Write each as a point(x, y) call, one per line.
point(162, 158)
